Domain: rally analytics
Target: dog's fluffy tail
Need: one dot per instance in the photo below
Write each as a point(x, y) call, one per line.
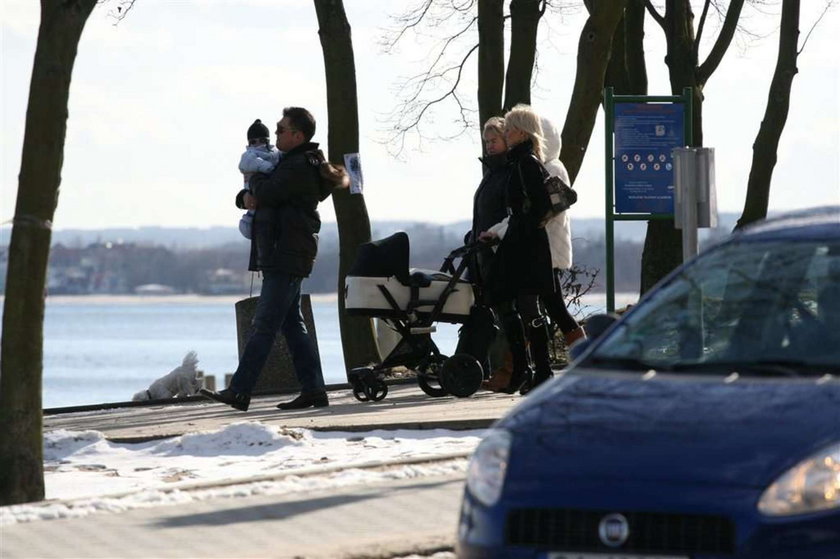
point(190, 360)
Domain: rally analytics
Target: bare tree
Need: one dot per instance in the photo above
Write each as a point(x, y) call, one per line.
point(663, 245)
point(440, 85)
point(491, 58)
point(627, 70)
point(21, 357)
point(775, 116)
point(594, 48)
point(524, 19)
point(357, 334)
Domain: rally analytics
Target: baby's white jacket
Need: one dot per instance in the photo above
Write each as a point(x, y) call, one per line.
point(259, 159)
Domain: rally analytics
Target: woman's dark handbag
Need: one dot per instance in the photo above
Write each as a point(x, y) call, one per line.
point(560, 194)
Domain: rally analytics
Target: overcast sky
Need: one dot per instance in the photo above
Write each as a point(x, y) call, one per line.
point(160, 103)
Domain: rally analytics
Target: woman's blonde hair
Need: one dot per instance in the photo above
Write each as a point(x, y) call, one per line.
point(523, 117)
point(495, 124)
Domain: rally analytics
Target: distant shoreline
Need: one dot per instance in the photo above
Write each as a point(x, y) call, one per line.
point(588, 300)
point(162, 299)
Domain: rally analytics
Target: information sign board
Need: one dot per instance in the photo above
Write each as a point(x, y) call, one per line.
point(645, 134)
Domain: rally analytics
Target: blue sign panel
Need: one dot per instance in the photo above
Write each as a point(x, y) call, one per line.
point(645, 134)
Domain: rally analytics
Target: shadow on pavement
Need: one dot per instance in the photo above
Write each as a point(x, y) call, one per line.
point(289, 509)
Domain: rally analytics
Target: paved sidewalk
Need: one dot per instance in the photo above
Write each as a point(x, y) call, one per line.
point(405, 407)
point(383, 520)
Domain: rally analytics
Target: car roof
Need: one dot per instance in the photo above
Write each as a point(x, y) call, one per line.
point(810, 224)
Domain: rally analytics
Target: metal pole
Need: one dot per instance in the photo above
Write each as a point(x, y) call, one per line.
point(689, 209)
point(685, 184)
point(608, 198)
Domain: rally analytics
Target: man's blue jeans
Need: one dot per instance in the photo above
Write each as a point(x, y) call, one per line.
point(279, 309)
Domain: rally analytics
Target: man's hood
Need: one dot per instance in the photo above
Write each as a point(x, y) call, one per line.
point(551, 150)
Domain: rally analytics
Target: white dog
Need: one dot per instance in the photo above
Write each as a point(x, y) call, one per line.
point(183, 380)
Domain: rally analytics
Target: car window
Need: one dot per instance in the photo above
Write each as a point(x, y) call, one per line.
point(750, 302)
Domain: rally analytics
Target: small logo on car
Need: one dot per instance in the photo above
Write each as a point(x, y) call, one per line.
point(614, 530)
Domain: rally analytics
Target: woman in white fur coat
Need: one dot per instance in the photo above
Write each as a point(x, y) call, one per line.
point(559, 231)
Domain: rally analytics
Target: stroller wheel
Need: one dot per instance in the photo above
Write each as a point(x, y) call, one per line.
point(461, 375)
point(430, 389)
point(376, 390)
point(428, 376)
point(360, 392)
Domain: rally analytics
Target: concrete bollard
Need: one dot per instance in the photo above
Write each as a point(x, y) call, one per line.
point(208, 382)
point(279, 373)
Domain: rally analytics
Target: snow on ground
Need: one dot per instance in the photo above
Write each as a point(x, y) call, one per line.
point(85, 473)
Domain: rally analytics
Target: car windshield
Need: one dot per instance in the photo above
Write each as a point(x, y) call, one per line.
point(756, 308)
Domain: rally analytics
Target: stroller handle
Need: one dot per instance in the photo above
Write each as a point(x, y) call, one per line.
point(462, 252)
point(469, 248)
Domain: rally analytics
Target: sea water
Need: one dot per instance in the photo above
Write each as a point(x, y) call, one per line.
point(103, 349)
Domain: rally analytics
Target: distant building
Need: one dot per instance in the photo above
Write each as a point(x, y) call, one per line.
point(224, 281)
point(154, 289)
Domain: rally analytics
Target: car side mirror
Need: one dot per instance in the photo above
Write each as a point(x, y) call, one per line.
point(595, 326)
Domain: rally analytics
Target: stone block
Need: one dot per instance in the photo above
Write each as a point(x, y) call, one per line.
point(279, 373)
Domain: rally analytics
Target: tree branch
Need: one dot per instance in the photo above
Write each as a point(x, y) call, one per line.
point(819, 19)
point(730, 24)
point(700, 29)
point(121, 11)
point(416, 110)
point(428, 76)
point(414, 17)
point(464, 7)
point(655, 15)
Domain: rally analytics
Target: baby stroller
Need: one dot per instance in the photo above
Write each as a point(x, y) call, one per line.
point(381, 285)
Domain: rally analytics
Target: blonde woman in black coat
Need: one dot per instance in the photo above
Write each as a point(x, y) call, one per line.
point(522, 270)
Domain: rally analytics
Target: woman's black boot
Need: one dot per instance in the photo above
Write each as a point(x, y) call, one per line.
point(522, 373)
point(538, 336)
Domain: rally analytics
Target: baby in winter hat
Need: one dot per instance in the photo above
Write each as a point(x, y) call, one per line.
point(259, 157)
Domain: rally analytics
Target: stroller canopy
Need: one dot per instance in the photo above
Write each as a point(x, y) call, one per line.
point(383, 258)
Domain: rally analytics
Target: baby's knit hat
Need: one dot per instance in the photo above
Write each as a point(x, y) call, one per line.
point(258, 130)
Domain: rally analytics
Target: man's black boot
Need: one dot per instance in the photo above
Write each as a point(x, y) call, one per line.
point(229, 397)
point(310, 400)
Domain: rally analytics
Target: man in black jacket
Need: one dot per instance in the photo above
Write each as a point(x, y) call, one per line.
point(283, 247)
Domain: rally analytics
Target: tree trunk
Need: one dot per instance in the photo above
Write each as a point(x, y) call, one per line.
point(617, 75)
point(663, 244)
point(491, 58)
point(634, 39)
point(775, 115)
point(21, 357)
point(627, 71)
point(681, 59)
point(357, 334)
point(592, 60)
point(524, 21)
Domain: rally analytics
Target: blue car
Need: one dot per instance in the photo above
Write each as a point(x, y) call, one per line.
point(704, 424)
